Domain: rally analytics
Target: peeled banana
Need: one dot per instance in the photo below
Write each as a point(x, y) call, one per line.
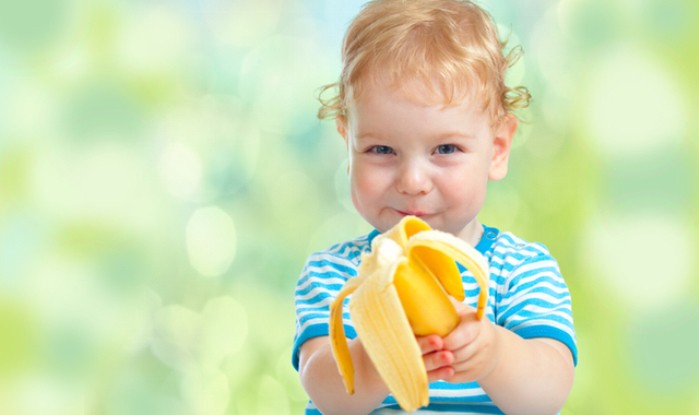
point(401, 291)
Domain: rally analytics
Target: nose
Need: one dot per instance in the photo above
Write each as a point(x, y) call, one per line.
point(413, 178)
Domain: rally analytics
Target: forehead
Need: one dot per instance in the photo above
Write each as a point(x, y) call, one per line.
point(387, 110)
point(420, 93)
point(417, 89)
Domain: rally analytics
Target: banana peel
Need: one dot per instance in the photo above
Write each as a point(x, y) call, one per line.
point(401, 291)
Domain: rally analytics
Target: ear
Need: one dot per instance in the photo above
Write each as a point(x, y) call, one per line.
point(502, 142)
point(341, 125)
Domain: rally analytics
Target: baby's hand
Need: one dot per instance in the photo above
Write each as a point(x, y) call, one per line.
point(437, 360)
point(473, 346)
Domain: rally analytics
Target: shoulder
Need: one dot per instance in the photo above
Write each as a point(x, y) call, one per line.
point(512, 257)
point(343, 257)
point(346, 253)
point(515, 250)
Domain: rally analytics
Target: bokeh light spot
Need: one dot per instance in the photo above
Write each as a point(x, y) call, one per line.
point(211, 241)
point(634, 105)
point(155, 39)
point(17, 347)
point(103, 108)
point(224, 330)
point(103, 183)
point(295, 195)
point(279, 78)
point(176, 332)
point(644, 260)
point(242, 23)
point(549, 52)
point(220, 136)
point(272, 397)
point(181, 171)
point(206, 393)
point(21, 238)
point(589, 23)
point(30, 25)
point(340, 227)
point(658, 181)
point(662, 348)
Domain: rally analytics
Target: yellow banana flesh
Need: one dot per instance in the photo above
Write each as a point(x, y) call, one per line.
point(402, 290)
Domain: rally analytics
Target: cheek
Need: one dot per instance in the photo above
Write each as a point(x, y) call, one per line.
point(364, 184)
point(361, 185)
point(465, 192)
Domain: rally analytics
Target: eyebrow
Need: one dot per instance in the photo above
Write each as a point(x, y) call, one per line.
point(437, 137)
point(454, 134)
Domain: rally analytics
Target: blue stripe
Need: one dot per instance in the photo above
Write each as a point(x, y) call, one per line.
point(314, 286)
point(316, 298)
point(463, 408)
point(520, 309)
point(320, 263)
point(326, 315)
point(534, 295)
point(480, 398)
point(437, 407)
point(443, 385)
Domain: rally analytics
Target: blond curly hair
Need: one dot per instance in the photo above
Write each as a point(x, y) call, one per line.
point(452, 46)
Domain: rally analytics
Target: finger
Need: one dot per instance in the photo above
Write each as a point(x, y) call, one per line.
point(438, 359)
point(461, 308)
point(430, 343)
point(443, 373)
point(462, 356)
point(465, 359)
point(473, 362)
point(465, 333)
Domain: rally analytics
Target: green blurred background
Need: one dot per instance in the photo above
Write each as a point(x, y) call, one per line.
point(163, 178)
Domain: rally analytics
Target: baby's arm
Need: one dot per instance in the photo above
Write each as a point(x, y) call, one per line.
point(533, 376)
point(521, 376)
point(321, 379)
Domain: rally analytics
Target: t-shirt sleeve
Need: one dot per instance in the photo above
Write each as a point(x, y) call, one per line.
point(321, 280)
point(537, 302)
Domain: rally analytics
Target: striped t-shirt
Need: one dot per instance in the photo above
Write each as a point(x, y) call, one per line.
point(527, 295)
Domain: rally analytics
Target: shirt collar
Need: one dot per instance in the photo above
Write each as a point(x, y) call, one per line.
point(489, 236)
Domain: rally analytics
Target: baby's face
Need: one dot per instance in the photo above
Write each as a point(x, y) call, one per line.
point(431, 161)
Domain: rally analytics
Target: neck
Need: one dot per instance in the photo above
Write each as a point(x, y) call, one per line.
point(472, 233)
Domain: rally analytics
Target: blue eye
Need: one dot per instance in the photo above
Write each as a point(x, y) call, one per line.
point(447, 149)
point(384, 150)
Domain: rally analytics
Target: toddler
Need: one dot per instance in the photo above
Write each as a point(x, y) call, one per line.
point(427, 119)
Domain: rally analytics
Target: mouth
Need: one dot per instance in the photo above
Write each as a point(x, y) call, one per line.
point(417, 213)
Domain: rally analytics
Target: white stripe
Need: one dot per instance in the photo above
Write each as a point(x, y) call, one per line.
point(456, 393)
point(312, 322)
point(315, 291)
point(548, 283)
point(544, 312)
point(532, 266)
point(325, 301)
point(320, 281)
point(513, 302)
point(322, 321)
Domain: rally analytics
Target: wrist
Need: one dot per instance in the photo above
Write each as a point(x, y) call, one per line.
point(495, 358)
